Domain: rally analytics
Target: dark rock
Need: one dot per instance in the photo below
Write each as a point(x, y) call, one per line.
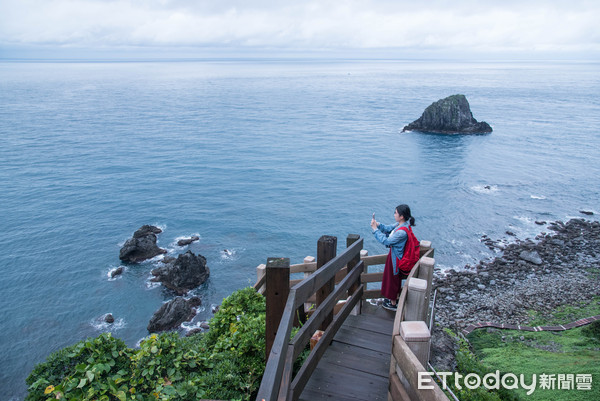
point(187, 241)
point(586, 212)
point(540, 223)
point(532, 257)
point(109, 318)
point(142, 246)
point(172, 314)
point(193, 332)
point(145, 230)
point(188, 271)
point(117, 271)
point(451, 115)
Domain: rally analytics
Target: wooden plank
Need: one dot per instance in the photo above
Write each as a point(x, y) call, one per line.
point(374, 260)
point(367, 339)
point(397, 391)
point(311, 362)
point(303, 267)
point(371, 277)
point(269, 386)
point(371, 323)
point(324, 394)
point(318, 316)
point(340, 382)
point(286, 375)
point(360, 359)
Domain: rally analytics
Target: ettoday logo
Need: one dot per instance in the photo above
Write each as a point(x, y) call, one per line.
point(495, 381)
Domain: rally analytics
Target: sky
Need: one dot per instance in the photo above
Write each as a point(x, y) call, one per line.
point(378, 28)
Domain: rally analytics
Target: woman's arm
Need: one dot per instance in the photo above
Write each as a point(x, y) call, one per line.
point(386, 229)
point(394, 238)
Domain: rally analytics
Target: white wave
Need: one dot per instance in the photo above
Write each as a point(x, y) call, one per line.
point(485, 189)
point(537, 196)
point(101, 325)
point(189, 326)
point(230, 254)
point(150, 285)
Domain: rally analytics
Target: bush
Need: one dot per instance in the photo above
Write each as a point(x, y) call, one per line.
point(91, 369)
point(225, 363)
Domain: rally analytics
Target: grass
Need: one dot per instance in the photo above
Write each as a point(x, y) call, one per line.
point(574, 352)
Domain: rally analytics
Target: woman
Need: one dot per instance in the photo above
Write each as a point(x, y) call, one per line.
point(404, 252)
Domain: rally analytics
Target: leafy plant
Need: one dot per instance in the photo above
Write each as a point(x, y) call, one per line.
point(225, 363)
point(92, 369)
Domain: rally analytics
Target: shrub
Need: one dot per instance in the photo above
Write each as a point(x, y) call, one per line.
point(91, 369)
point(225, 363)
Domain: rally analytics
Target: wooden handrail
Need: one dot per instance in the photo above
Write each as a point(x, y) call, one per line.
point(277, 376)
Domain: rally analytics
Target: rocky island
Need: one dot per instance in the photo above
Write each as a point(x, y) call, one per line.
point(451, 115)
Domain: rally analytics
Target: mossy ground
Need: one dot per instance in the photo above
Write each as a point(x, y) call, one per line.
point(575, 352)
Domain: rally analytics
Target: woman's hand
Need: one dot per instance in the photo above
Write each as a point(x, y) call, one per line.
point(374, 223)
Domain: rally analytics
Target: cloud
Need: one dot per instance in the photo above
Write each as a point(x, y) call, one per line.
point(311, 24)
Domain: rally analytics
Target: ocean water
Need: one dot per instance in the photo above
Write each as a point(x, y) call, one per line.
point(261, 158)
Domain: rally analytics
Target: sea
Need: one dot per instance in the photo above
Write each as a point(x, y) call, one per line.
point(259, 158)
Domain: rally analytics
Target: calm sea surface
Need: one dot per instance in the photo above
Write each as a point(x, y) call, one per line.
point(261, 158)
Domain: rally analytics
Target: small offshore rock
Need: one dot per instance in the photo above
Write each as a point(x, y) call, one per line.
point(531, 256)
point(586, 212)
point(116, 272)
point(187, 241)
point(109, 318)
point(142, 245)
point(540, 222)
point(187, 272)
point(171, 314)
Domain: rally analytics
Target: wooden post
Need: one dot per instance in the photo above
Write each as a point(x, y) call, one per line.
point(418, 338)
point(276, 294)
point(416, 308)
point(260, 272)
point(326, 250)
point(426, 266)
point(351, 239)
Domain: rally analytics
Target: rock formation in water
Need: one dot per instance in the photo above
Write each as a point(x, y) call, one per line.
point(451, 115)
point(186, 272)
point(173, 313)
point(142, 246)
point(187, 241)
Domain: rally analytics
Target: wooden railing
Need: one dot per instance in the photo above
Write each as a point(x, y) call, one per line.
point(349, 272)
point(278, 382)
point(411, 338)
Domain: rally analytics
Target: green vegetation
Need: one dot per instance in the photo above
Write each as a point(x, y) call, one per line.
point(573, 352)
point(467, 362)
point(226, 363)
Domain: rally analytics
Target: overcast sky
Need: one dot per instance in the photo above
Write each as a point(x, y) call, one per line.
point(398, 29)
